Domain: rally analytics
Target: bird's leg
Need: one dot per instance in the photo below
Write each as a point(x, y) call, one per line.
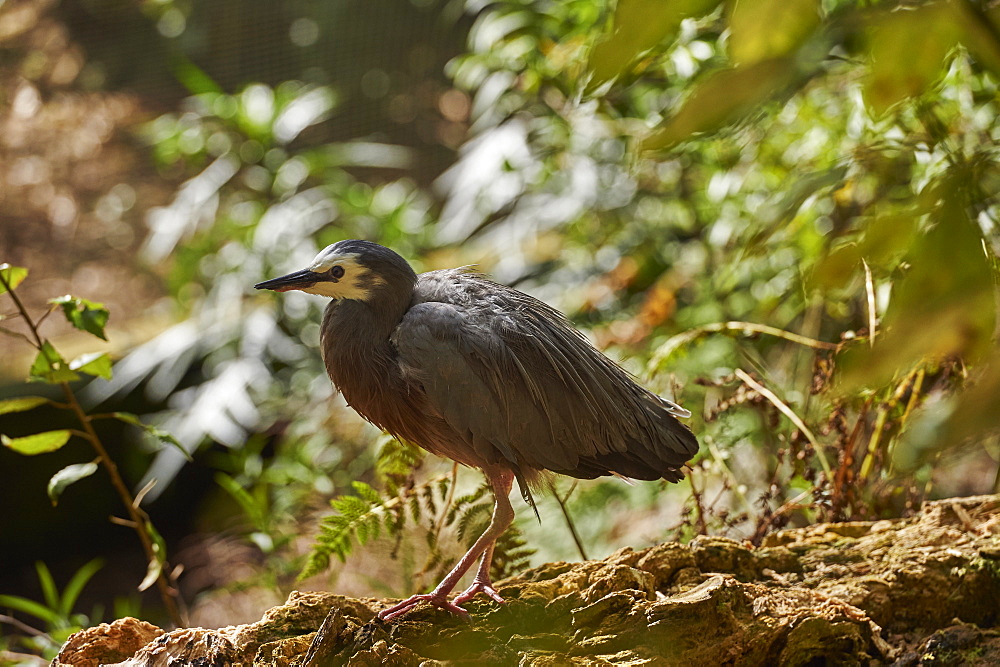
point(482, 583)
point(503, 516)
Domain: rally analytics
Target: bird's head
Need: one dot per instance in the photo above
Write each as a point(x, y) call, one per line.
point(358, 270)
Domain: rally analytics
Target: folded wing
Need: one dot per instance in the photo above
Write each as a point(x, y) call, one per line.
point(521, 386)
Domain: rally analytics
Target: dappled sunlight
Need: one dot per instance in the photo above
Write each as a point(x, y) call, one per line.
point(780, 214)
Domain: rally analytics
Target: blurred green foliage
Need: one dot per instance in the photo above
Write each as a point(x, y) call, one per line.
point(810, 187)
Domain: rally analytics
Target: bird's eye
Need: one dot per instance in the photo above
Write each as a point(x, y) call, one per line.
point(337, 272)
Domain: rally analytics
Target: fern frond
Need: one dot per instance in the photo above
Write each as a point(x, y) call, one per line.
point(462, 501)
point(444, 487)
point(396, 463)
point(366, 492)
point(361, 518)
point(427, 495)
point(473, 521)
point(511, 554)
point(415, 510)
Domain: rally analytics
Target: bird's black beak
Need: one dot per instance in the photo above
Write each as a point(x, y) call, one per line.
point(298, 280)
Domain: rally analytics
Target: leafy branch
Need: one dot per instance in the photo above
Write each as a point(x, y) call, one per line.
point(51, 368)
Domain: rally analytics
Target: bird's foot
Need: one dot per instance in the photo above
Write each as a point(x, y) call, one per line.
point(484, 587)
point(436, 599)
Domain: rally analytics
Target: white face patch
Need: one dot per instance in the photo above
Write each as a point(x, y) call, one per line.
point(327, 257)
point(356, 282)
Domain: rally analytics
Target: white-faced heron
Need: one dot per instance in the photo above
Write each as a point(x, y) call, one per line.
point(484, 375)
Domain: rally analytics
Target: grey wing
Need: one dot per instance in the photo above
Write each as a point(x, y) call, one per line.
point(447, 357)
point(525, 388)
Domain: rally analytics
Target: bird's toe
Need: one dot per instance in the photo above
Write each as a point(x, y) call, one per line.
point(484, 587)
point(406, 605)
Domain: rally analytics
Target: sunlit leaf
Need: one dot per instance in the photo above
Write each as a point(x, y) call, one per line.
point(763, 29)
point(192, 77)
point(39, 443)
point(96, 363)
point(68, 475)
point(908, 50)
point(721, 98)
point(85, 315)
point(50, 367)
point(943, 306)
point(12, 276)
point(153, 570)
point(155, 566)
point(888, 237)
point(21, 404)
point(836, 269)
point(638, 26)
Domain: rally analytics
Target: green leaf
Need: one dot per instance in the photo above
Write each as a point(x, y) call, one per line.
point(68, 475)
point(253, 509)
point(39, 443)
point(763, 29)
point(721, 98)
point(908, 52)
point(36, 609)
point(85, 315)
point(21, 404)
point(156, 432)
point(73, 589)
point(11, 276)
point(49, 366)
point(95, 363)
point(367, 493)
point(48, 584)
point(639, 25)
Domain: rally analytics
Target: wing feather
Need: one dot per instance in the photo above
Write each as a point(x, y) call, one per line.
point(520, 385)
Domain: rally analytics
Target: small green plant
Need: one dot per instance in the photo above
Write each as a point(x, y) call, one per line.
point(56, 613)
point(51, 368)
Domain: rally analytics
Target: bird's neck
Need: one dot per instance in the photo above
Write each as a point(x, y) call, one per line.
point(355, 338)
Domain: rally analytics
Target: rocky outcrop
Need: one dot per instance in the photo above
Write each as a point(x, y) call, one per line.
point(917, 591)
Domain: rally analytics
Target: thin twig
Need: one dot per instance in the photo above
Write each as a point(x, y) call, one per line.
point(16, 334)
point(719, 461)
point(24, 627)
point(23, 311)
point(786, 507)
point(667, 349)
point(447, 503)
point(48, 312)
point(568, 518)
point(870, 292)
point(701, 526)
point(168, 594)
point(788, 412)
